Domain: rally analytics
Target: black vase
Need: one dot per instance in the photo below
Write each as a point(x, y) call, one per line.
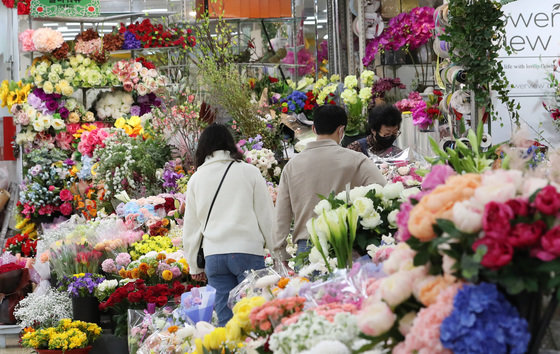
point(85, 309)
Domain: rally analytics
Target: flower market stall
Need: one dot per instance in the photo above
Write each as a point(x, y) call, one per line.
point(457, 253)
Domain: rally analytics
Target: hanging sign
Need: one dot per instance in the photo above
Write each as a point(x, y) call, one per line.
point(64, 8)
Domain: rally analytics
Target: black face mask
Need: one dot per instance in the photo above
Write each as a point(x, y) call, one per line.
point(384, 142)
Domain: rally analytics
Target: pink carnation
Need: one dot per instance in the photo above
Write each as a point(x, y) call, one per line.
point(88, 47)
point(26, 40)
point(46, 39)
point(424, 334)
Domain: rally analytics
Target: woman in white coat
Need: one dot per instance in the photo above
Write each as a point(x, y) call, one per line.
point(234, 231)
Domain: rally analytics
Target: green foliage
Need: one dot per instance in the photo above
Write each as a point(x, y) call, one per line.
point(464, 158)
point(476, 33)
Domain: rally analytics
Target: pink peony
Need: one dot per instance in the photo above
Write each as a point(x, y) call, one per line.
point(523, 235)
point(519, 206)
point(396, 288)
point(550, 243)
point(498, 252)
point(376, 319)
point(548, 201)
point(496, 220)
point(423, 337)
point(46, 39)
point(26, 40)
point(498, 186)
point(467, 217)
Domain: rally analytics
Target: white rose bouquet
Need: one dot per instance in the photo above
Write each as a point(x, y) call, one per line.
point(114, 104)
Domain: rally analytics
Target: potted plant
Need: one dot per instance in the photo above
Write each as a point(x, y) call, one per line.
point(70, 337)
point(81, 288)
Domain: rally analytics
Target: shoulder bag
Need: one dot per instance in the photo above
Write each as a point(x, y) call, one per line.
point(200, 261)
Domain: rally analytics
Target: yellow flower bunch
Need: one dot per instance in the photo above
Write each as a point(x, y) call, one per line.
point(12, 92)
point(153, 243)
point(26, 226)
point(131, 126)
point(84, 128)
point(67, 335)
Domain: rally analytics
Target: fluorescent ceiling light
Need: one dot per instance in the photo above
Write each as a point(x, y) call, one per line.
point(51, 24)
point(155, 10)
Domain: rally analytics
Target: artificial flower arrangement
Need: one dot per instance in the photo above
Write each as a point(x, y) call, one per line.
point(261, 157)
point(21, 5)
point(114, 104)
point(13, 93)
point(409, 29)
point(504, 221)
point(139, 75)
point(43, 192)
point(426, 113)
point(172, 172)
point(22, 244)
point(384, 85)
point(325, 90)
point(131, 126)
point(75, 71)
point(147, 35)
point(353, 219)
point(66, 335)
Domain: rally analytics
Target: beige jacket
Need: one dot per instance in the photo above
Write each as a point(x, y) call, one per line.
point(323, 167)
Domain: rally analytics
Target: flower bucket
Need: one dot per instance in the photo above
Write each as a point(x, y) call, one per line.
point(86, 309)
point(85, 350)
point(198, 304)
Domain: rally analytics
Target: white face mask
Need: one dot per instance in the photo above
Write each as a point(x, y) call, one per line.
point(342, 137)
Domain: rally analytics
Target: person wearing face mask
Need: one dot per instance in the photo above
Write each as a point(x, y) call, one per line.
point(321, 168)
point(384, 122)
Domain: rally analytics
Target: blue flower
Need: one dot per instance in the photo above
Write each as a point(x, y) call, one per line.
point(483, 321)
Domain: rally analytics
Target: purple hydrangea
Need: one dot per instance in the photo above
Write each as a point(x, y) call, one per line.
point(130, 41)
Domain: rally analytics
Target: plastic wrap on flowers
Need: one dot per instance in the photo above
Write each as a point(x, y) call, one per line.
point(257, 282)
point(343, 288)
point(198, 304)
point(143, 323)
point(14, 285)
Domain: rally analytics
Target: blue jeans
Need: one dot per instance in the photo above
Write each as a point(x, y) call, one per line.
point(225, 272)
point(303, 246)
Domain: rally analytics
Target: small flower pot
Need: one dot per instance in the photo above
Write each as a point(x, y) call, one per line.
point(86, 309)
point(85, 350)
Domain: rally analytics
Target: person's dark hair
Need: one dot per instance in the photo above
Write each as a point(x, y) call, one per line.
point(327, 118)
point(386, 114)
point(216, 137)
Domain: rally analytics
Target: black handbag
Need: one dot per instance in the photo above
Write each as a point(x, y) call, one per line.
point(200, 261)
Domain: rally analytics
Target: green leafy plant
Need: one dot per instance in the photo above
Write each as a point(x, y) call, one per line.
point(463, 158)
point(476, 33)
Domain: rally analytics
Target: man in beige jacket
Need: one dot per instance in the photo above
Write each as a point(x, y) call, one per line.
point(323, 167)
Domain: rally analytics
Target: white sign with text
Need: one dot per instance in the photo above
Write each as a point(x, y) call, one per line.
point(532, 31)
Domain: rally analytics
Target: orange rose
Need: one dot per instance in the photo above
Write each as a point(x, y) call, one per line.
point(439, 204)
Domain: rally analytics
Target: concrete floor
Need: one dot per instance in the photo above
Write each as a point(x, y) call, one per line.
point(12, 346)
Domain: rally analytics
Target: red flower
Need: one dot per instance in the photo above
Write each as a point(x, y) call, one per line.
point(520, 207)
point(550, 246)
point(498, 253)
point(9, 3)
point(496, 220)
point(284, 109)
point(23, 7)
point(438, 93)
point(66, 195)
point(66, 209)
point(523, 235)
point(272, 79)
point(161, 300)
point(135, 297)
point(548, 201)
